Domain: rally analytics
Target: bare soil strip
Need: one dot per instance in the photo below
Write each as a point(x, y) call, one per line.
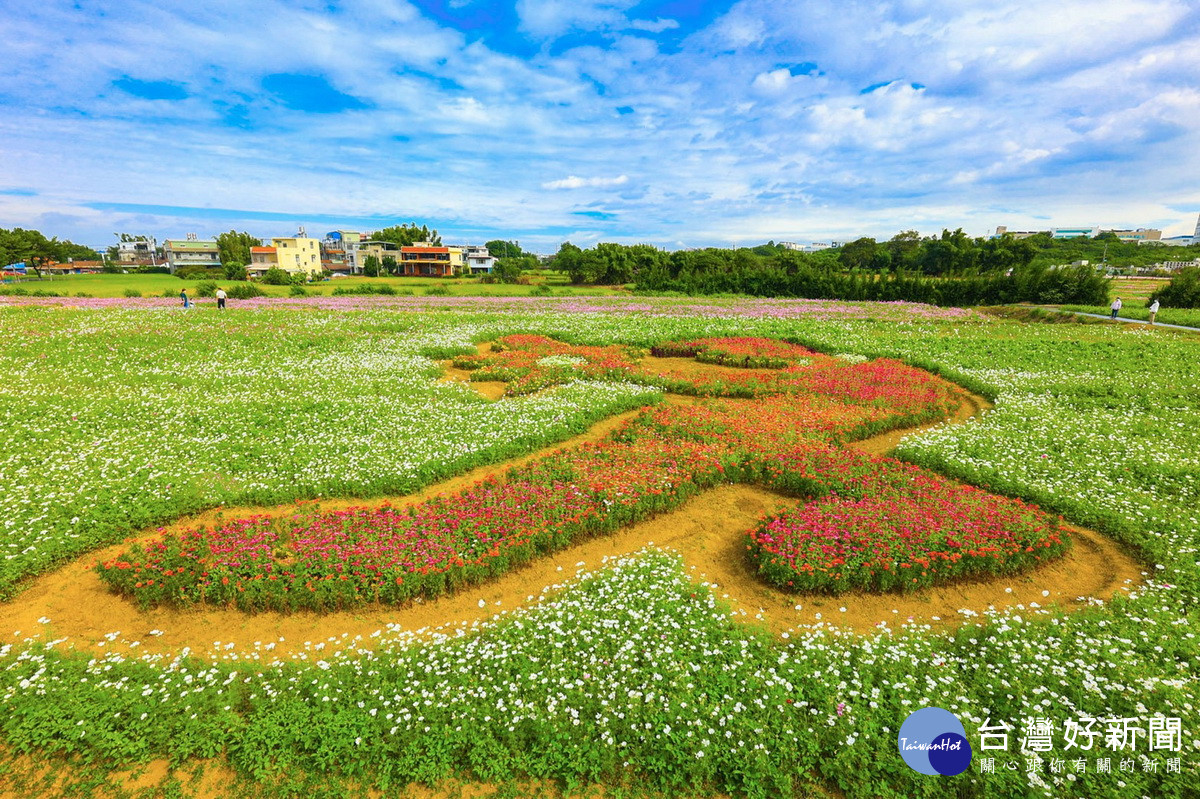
point(707, 532)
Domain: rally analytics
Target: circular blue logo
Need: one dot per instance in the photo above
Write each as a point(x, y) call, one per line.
point(933, 741)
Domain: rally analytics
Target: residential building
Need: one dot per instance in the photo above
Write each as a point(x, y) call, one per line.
point(340, 252)
point(479, 260)
point(379, 249)
point(73, 267)
point(426, 260)
point(293, 254)
point(261, 259)
point(1175, 241)
point(190, 252)
point(141, 252)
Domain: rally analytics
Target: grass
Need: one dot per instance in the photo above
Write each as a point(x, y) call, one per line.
point(155, 285)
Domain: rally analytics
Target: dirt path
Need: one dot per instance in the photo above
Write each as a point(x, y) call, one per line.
point(707, 532)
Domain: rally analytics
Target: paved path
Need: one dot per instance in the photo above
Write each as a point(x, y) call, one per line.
point(1134, 321)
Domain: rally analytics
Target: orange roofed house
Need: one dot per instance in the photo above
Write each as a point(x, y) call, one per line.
point(427, 260)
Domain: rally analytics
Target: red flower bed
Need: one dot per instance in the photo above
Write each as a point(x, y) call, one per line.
point(908, 529)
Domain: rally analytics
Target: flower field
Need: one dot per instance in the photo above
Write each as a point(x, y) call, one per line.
point(121, 416)
point(653, 464)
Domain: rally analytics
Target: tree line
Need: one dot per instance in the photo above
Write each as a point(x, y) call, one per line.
point(33, 249)
point(950, 269)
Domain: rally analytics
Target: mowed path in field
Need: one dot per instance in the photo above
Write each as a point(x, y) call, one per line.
point(708, 531)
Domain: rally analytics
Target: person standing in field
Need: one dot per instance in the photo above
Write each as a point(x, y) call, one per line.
point(1153, 311)
point(1116, 307)
point(221, 295)
point(184, 297)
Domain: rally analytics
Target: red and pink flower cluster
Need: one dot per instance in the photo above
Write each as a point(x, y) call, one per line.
point(907, 529)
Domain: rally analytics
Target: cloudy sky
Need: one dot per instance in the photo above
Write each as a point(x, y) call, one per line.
point(664, 121)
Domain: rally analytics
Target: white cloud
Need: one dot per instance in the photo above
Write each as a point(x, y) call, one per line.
point(654, 26)
point(573, 182)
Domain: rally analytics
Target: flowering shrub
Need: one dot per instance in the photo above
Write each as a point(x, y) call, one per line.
point(909, 530)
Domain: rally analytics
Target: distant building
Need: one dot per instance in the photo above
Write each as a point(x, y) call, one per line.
point(340, 252)
point(138, 252)
point(479, 260)
point(1074, 232)
point(425, 260)
point(296, 255)
point(379, 249)
point(1002, 230)
point(815, 246)
point(190, 252)
point(73, 267)
point(1140, 235)
point(1175, 266)
point(261, 259)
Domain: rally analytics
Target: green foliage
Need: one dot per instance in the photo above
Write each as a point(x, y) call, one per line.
point(509, 268)
point(297, 291)
point(198, 272)
point(437, 291)
point(371, 266)
point(367, 289)
point(132, 293)
point(504, 249)
point(233, 247)
point(245, 291)
point(407, 234)
point(276, 277)
point(389, 266)
point(1182, 292)
point(206, 288)
point(235, 270)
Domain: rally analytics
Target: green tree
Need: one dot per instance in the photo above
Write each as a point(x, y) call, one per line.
point(904, 248)
point(371, 266)
point(407, 235)
point(276, 277)
point(504, 249)
point(1182, 292)
point(233, 247)
point(235, 270)
point(858, 254)
point(568, 259)
point(390, 266)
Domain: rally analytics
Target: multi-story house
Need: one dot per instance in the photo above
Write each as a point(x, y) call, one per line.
point(479, 260)
point(293, 254)
point(190, 252)
point(142, 251)
point(340, 252)
point(426, 260)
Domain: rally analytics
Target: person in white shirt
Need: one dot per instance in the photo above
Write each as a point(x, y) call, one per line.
point(1153, 311)
point(221, 295)
point(1116, 306)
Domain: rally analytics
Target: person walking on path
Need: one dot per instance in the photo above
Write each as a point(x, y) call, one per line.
point(184, 297)
point(221, 295)
point(1116, 307)
point(1153, 311)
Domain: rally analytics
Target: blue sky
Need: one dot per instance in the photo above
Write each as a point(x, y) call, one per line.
point(670, 122)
